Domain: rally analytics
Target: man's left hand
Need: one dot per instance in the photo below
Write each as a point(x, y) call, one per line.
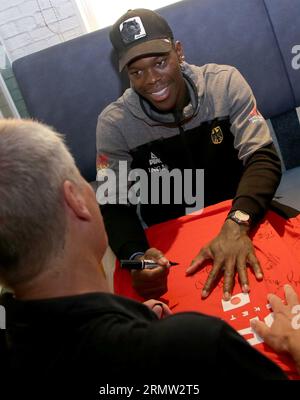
point(231, 250)
point(159, 308)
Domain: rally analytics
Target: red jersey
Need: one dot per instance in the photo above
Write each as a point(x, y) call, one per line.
point(277, 246)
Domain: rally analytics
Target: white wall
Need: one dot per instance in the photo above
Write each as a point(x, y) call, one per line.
point(27, 26)
point(97, 14)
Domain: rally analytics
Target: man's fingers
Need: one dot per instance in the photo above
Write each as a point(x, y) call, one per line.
point(156, 255)
point(158, 307)
point(275, 302)
point(195, 265)
point(166, 310)
point(150, 283)
point(260, 328)
point(160, 258)
point(228, 279)
point(157, 272)
point(243, 274)
point(268, 335)
point(150, 276)
point(205, 254)
point(291, 296)
point(213, 275)
point(163, 261)
point(253, 261)
point(158, 310)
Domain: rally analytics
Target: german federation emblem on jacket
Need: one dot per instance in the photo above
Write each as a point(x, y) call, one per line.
point(217, 135)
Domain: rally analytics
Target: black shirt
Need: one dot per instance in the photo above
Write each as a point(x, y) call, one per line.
point(109, 338)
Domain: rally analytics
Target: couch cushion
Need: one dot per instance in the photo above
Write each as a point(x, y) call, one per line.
point(237, 33)
point(285, 19)
point(285, 130)
point(288, 192)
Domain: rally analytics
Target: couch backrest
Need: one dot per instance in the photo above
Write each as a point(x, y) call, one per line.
point(69, 84)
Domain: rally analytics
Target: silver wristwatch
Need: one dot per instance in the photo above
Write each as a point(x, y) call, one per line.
point(240, 217)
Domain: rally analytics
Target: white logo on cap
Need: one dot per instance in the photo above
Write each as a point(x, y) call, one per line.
point(132, 29)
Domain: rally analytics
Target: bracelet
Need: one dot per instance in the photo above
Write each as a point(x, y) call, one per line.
point(137, 253)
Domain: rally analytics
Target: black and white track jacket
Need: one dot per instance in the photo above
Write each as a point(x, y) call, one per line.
point(219, 131)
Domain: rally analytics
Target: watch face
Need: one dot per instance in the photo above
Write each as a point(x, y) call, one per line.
point(242, 216)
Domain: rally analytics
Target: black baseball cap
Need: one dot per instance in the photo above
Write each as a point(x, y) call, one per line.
point(140, 32)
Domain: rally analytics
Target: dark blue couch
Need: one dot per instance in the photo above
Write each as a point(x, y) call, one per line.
point(69, 84)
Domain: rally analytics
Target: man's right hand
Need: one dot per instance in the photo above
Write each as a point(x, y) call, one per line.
point(151, 283)
point(284, 333)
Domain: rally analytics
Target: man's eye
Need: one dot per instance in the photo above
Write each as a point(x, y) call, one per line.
point(136, 74)
point(161, 63)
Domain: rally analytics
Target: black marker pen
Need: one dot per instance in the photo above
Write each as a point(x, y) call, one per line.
point(142, 264)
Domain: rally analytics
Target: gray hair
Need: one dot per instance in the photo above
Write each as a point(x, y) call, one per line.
point(34, 163)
